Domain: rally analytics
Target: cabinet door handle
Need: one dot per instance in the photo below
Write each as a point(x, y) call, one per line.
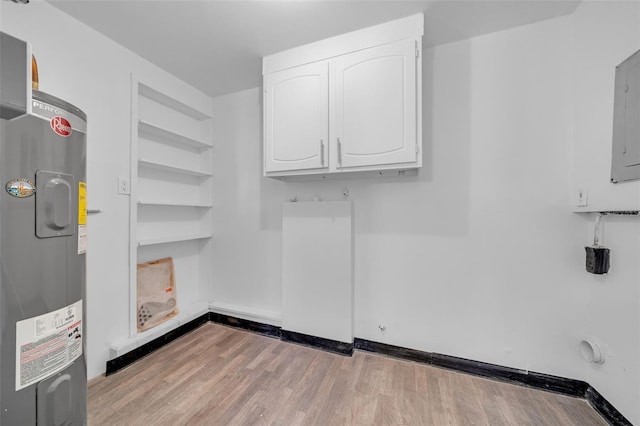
point(339, 152)
point(321, 152)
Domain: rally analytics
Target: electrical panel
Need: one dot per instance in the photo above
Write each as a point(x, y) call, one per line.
point(625, 159)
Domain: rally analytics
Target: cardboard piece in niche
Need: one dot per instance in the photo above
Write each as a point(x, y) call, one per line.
point(157, 300)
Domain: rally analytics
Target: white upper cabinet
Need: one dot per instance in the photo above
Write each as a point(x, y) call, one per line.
point(375, 106)
point(351, 103)
point(296, 126)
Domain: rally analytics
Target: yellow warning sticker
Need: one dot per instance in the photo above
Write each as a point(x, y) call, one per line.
point(82, 203)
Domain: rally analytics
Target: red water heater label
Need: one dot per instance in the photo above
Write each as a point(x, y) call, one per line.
point(61, 126)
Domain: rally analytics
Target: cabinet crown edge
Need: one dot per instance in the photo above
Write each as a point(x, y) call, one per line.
point(389, 32)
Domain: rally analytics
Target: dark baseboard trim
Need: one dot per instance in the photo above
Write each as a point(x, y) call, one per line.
point(532, 379)
point(498, 372)
point(329, 345)
point(547, 382)
point(392, 351)
point(565, 386)
point(606, 410)
point(130, 357)
point(256, 327)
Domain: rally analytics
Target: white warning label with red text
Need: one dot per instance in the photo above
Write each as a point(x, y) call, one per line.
point(47, 344)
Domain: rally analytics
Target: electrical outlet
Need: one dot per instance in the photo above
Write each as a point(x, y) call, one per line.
point(123, 186)
point(582, 197)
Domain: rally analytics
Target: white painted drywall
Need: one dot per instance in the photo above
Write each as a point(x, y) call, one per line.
point(247, 242)
point(480, 255)
point(604, 34)
point(317, 269)
point(85, 68)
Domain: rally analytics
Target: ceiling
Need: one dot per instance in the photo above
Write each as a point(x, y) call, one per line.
point(217, 46)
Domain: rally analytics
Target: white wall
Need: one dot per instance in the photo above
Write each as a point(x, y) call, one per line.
point(246, 214)
point(92, 72)
point(604, 34)
point(480, 255)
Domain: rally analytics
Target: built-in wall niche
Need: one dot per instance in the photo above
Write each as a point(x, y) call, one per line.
point(171, 173)
point(173, 186)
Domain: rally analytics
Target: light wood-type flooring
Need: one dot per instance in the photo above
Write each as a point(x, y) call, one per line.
point(218, 375)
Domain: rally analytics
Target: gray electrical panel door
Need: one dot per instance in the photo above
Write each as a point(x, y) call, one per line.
point(625, 159)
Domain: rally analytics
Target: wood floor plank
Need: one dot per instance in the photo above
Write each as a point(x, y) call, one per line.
point(332, 406)
point(497, 410)
point(428, 385)
point(217, 375)
point(363, 408)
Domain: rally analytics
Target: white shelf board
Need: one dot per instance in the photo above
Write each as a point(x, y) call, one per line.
point(172, 204)
point(173, 239)
point(167, 100)
point(164, 135)
point(169, 168)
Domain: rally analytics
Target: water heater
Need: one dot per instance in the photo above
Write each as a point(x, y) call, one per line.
point(43, 379)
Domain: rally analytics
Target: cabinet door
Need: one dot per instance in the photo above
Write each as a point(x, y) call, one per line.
point(375, 106)
point(296, 118)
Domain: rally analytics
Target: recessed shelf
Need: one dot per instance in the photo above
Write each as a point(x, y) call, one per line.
point(173, 204)
point(170, 211)
point(172, 239)
point(160, 97)
point(167, 136)
point(169, 168)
